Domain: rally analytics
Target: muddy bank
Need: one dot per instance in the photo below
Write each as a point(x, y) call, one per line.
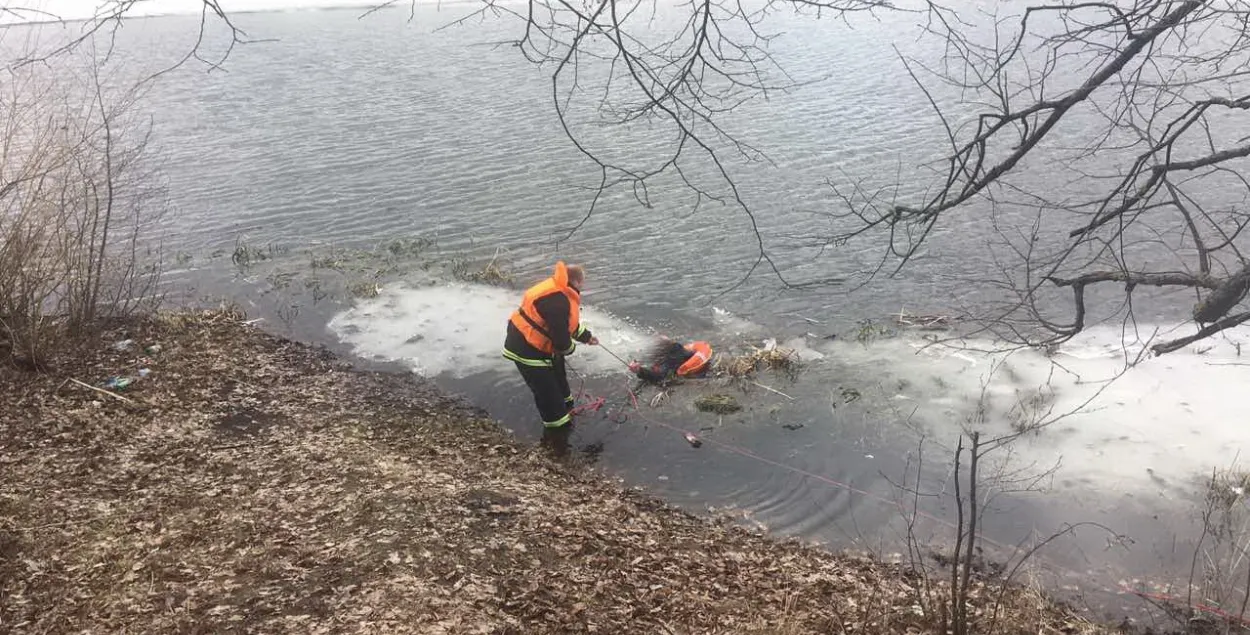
point(248, 483)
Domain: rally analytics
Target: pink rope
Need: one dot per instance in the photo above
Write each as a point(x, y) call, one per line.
point(591, 406)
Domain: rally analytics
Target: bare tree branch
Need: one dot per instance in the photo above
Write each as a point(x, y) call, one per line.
point(109, 17)
point(1205, 332)
point(680, 74)
point(1158, 165)
point(1133, 279)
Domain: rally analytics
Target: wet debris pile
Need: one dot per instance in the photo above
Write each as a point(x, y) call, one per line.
point(768, 357)
point(922, 322)
point(492, 273)
point(252, 484)
point(717, 403)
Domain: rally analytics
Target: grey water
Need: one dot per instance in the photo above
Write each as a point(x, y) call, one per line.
point(335, 130)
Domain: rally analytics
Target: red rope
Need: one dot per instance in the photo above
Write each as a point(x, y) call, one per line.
point(592, 406)
point(597, 402)
point(1198, 606)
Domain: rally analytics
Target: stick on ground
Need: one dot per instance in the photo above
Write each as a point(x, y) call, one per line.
point(103, 391)
point(773, 390)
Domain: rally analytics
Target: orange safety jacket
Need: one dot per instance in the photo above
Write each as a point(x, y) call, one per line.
point(701, 352)
point(530, 338)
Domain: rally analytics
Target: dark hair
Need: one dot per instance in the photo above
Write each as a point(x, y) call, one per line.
point(666, 352)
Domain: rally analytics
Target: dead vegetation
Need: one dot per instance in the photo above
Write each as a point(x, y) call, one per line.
point(717, 403)
point(922, 322)
point(755, 359)
point(295, 278)
point(492, 273)
point(1219, 572)
point(253, 484)
point(77, 192)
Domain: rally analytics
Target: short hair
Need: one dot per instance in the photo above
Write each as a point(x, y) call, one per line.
point(577, 273)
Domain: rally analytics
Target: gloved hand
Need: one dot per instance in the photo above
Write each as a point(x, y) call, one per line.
point(594, 341)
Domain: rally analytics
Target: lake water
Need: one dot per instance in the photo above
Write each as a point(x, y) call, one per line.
point(346, 134)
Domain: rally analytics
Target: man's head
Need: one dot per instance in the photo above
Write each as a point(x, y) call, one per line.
point(577, 275)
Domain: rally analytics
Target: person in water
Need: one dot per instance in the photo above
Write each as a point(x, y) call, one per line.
point(672, 359)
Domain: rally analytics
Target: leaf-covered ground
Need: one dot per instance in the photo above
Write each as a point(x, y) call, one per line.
point(251, 484)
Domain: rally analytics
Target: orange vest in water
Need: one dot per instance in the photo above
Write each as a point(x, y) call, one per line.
point(702, 353)
point(532, 325)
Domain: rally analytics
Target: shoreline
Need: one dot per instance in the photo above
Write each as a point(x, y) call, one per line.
point(253, 482)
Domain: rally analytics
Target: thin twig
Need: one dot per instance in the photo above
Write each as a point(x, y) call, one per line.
point(104, 392)
point(773, 390)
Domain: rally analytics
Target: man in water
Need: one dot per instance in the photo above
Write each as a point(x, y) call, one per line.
point(541, 331)
point(672, 359)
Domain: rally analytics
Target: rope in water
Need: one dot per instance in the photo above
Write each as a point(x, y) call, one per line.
point(609, 352)
point(596, 403)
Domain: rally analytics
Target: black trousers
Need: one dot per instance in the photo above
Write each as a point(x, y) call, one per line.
point(550, 387)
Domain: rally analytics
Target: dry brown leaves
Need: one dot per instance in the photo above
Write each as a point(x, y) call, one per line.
point(257, 485)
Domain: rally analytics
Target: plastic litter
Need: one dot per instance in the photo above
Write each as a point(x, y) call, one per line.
point(123, 345)
point(118, 383)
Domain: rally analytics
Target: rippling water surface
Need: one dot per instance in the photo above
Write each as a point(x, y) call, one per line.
point(336, 131)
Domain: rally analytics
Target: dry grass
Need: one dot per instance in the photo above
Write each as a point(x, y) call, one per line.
point(1227, 487)
point(492, 273)
point(255, 485)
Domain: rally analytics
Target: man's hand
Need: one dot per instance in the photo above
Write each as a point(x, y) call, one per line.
point(634, 366)
point(593, 341)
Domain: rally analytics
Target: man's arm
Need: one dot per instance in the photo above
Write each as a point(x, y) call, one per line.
point(583, 334)
point(554, 310)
